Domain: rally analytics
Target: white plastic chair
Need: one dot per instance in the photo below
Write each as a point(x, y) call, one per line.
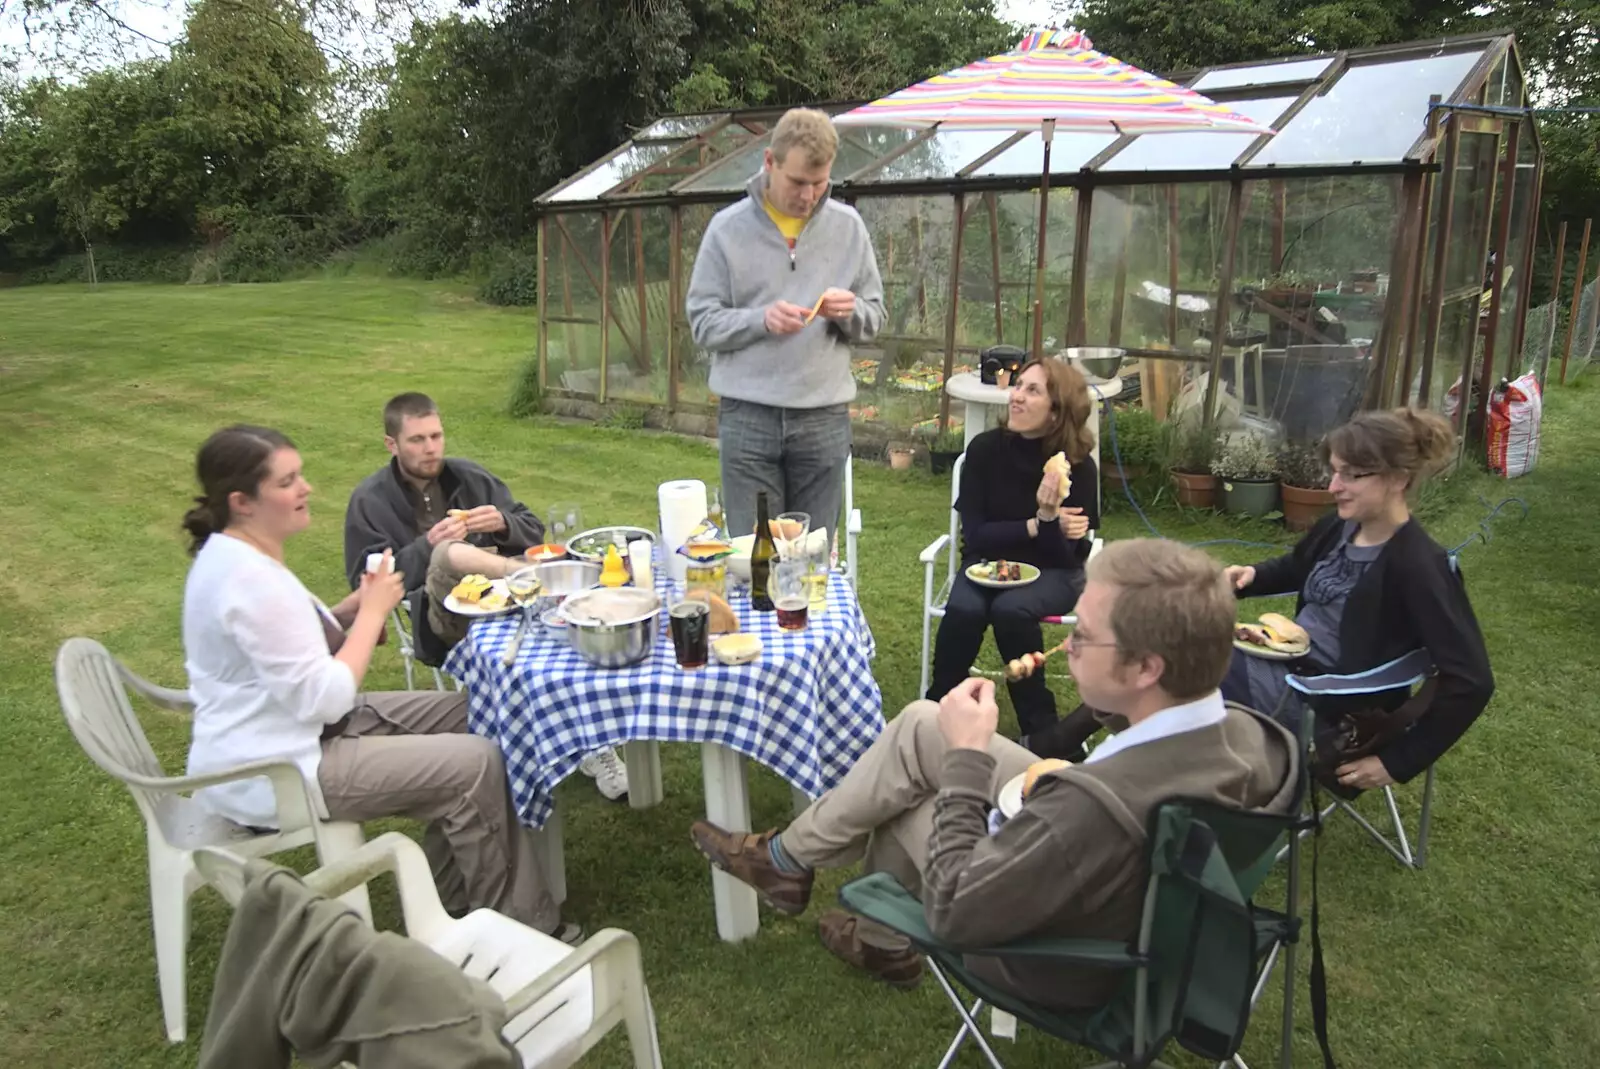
point(948, 544)
point(94, 698)
point(852, 526)
point(561, 1000)
point(408, 649)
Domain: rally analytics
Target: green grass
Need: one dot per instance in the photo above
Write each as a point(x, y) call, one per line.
point(1487, 958)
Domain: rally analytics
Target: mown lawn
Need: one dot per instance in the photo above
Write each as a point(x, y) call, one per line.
point(1489, 957)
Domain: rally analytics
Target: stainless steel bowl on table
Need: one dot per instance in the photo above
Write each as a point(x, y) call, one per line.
point(612, 628)
point(591, 545)
point(1098, 363)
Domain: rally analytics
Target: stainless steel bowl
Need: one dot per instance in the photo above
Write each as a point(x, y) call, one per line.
point(558, 578)
point(1097, 362)
point(607, 536)
point(627, 640)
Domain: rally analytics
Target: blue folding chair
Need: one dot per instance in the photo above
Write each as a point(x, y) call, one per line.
point(1407, 672)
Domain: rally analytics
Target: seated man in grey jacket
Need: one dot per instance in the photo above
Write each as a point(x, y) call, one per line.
point(444, 518)
point(1153, 640)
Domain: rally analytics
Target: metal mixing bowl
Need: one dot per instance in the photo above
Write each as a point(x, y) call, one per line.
point(627, 641)
point(607, 536)
point(558, 578)
point(1096, 362)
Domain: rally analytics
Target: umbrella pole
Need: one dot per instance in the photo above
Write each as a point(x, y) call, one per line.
point(1044, 227)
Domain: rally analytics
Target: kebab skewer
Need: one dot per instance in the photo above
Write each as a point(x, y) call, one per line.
point(1029, 663)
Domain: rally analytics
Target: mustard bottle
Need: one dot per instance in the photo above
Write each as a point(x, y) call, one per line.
point(614, 573)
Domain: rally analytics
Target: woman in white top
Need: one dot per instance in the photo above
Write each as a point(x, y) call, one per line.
point(275, 673)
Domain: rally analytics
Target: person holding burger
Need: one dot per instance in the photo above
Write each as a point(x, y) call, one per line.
point(1154, 635)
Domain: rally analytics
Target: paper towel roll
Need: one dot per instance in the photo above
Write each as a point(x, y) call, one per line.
point(683, 506)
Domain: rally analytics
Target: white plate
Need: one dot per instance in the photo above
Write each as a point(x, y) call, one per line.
point(1266, 653)
point(1029, 574)
point(463, 609)
point(1010, 800)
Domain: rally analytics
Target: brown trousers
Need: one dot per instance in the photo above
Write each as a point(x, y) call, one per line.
point(881, 813)
point(409, 754)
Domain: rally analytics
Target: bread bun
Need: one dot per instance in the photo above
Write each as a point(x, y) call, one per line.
point(1284, 634)
point(1063, 470)
point(723, 619)
point(1040, 768)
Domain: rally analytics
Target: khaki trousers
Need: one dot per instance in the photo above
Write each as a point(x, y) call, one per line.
point(409, 754)
point(881, 813)
point(447, 626)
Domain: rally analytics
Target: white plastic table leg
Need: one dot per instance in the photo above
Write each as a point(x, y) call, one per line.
point(643, 759)
point(728, 806)
point(977, 420)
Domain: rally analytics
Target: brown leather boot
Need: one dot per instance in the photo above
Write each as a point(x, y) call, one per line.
point(747, 857)
point(840, 933)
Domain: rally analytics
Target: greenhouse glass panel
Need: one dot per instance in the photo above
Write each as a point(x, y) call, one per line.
point(1068, 153)
point(859, 146)
point(680, 126)
point(1201, 150)
point(1373, 114)
point(1266, 74)
point(941, 156)
point(734, 172)
point(624, 165)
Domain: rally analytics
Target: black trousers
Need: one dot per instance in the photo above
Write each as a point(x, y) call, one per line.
point(1014, 614)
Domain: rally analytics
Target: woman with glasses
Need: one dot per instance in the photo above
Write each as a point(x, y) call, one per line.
point(1012, 509)
point(1372, 586)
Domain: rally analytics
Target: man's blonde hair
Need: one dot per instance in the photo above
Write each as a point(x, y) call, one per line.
point(1173, 602)
point(810, 131)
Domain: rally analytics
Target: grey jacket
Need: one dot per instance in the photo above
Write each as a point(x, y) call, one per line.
point(382, 515)
point(744, 265)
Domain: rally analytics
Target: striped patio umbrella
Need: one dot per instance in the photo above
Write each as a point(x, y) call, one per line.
point(1053, 80)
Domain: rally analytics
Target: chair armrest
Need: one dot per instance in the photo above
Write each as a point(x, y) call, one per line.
point(390, 852)
point(289, 789)
point(176, 701)
point(608, 950)
point(853, 524)
point(930, 555)
point(880, 897)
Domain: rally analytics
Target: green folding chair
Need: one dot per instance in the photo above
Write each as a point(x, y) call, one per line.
point(1200, 961)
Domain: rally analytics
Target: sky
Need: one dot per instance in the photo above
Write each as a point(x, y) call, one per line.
point(162, 20)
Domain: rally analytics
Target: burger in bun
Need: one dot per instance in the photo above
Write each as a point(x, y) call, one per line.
point(1040, 768)
point(1275, 632)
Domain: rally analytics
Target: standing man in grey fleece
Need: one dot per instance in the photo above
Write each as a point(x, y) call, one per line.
point(1154, 638)
point(783, 377)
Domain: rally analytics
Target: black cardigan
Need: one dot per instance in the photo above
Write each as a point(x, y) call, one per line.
point(999, 494)
point(1408, 598)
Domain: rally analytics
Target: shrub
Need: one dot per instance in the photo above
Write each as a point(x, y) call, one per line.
point(1246, 458)
point(1137, 434)
point(513, 279)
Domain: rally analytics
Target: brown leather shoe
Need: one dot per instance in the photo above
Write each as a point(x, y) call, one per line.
point(747, 857)
point(839, 932)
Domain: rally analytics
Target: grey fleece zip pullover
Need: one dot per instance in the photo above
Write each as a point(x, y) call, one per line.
point(744, 265)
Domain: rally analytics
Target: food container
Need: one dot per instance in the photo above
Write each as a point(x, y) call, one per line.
point(541, 554)
point(612, 628)
point(591, 545)
point(559, 578)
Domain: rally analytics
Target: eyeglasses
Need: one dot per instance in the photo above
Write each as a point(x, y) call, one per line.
point(1076, 645)
point(1346, 475)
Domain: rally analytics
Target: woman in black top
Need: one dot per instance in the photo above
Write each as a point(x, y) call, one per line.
point(1011, 510)
point(1372, 587)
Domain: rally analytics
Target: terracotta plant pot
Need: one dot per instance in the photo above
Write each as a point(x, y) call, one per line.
point(1196, 490)
point(1252, 498)
point(1120, 477)
point(900, 458)
point(1304, 506)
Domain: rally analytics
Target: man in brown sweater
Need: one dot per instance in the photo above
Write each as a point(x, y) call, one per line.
point(1153, 640)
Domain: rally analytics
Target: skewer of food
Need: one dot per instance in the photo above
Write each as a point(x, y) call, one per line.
point(1028, 663)
point(1001, 571)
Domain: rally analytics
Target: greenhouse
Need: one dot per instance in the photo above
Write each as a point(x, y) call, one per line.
point(1377, 249)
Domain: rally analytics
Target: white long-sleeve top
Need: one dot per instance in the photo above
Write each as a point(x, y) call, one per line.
point(262, 680)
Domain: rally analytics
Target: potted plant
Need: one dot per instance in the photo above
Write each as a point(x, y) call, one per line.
point(1193, 448)
point(1247, 471)
point(1137, 435)
point(943, 448)
point(1303, 479)
point(900, 455)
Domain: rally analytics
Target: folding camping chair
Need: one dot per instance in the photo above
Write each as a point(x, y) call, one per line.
point(1407, 672)
point(1199, 963)
point(948, 545)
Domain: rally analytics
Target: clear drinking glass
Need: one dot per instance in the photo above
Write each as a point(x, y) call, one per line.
point(817, 568)
point(790, 595)
point(690, 623)
point(790, 531)
point(565, 519)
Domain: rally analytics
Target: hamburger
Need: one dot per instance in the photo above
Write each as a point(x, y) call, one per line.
point(1063, 469)
point(1275, 632)
point(1040, 768)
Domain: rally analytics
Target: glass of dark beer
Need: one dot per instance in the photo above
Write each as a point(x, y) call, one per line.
point(790, 595)
point(690, 621)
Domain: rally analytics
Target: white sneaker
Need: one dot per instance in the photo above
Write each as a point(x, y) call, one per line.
point(610, 775)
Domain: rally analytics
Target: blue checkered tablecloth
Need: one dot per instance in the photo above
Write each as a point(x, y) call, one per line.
point(807, 708)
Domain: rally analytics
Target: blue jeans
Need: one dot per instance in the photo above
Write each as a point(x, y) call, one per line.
point(797, 455)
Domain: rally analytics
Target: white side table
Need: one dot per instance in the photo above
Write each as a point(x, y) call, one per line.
point(985, 404)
